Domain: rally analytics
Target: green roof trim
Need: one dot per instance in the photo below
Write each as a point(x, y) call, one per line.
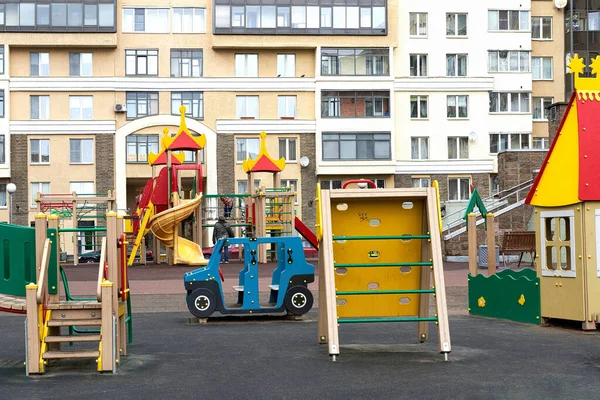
point(475, 200)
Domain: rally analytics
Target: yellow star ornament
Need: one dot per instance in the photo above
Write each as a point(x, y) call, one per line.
point(595, 66)
point(576, 65)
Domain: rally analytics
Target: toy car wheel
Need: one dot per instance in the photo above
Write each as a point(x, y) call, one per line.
point(202, 303)
point(298, 300)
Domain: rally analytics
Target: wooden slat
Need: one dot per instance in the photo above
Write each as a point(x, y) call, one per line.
point(74, 322)
point(418, 193)
point(75, 305)
point(76, 338)
point(71, 354)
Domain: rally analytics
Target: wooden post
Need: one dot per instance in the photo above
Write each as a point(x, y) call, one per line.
point(40, 238)
point(261, 223)
point(472, 240)
point(491, 244)
point(33, 330)
point(107, 323)
point(112, 257)
point(143, 251)
point(276, 180)
point(156, 250)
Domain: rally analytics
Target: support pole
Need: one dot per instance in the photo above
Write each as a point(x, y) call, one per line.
point(40, 238)
point(472, 240)
point(33, 330)
point(107, 318)
point(75, 234)
point(491, 244)
point(120, 328)
point(112, 257)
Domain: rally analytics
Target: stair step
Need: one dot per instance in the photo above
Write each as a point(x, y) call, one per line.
point(71, 354)
point(75, 338)
point(74, 322)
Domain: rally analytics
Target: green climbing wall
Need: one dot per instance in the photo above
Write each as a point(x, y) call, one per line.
point(508, 295)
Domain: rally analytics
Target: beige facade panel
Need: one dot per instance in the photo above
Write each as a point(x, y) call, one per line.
point(103, 103)
point(221, 63)
point(102, 59)
point(35, 40)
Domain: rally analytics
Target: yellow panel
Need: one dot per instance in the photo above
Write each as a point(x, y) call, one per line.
point(559, 184)
point(359, 217)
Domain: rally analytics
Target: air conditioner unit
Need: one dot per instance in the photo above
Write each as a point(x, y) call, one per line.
point(120, 108)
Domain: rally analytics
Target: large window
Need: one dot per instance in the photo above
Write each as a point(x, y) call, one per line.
point(457, 106)
point(541, 143)
point(541, 68)
point(286, 106)
point(355, 104)
point(331, 184)
point(508, 141)
point(246, 147)
point(246, 65)
point(456, 24)
point(141, 104)
point(193, 102)
point(287, 149)
point(1, 59)
point(81, 107)
point(286, 65)
point(139, 146)
point(246, 107)
point(419, 148)
point(39, 64)
point(456, 65)
point(1, 103)
point(149, 20)
point(458, 148)
point(186, 63)
point(355, 62)
point(36, 188)
point(508, 61)
point(303, 17)
point(418, 106)
point(508, 20)
point(40, 107)
point(420, 182)
point(356, 146)
point(189, 20)
point(541, 28)
point(291, 183)
point(39, 151)
point(540, 108)
point(417, 24)
point(84, 188)
point(141, 62)
point(3, 195)
point(2, 149)
point(459, 189)
point(80, 64)
point(58, 16)
point(418, 65)
point(501, 102)
point(82, 151)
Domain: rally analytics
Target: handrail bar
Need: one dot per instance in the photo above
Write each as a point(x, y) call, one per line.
point(43, 271)
point(101, 270)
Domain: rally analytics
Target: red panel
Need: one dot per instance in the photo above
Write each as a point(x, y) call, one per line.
point(184, 142)
point(589, 149)
point(162, 159)
point(306, 233)
point(265, 165)
point(160, 195)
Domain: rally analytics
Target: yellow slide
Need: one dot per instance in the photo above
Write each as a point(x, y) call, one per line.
point(164, 226)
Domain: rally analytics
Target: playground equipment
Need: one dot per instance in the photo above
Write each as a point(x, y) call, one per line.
point(31, 285)
point(377, 252)
point(566, 196)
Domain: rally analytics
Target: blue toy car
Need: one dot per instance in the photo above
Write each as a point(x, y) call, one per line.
point(288, 288)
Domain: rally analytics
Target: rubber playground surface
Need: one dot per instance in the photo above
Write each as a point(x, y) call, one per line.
point(279, 358)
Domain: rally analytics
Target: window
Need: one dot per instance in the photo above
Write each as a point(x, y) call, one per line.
point(286, 65)
point(80, 64)
point(287, 149)
point(356, 146)
point(420, 182)
point(246, 65)
point(419, 148)
point(1, 103)
point(457, 107)
point(456, 24)
point(331, 184)
point(541, 28)
point(141, 62)
point(139, 146)
point(541, 143)
point(186, 63)
point(418, 65)
point(246, 106)
point(541, 67)
point(418, 24)
point(1, 59)
point(3, 195)
point(189, 20)
point(36, 188)
point(81, 107)
point(494, 185)
point(362, 61)
point(505, 61)
point(557, 233)
point(39, 64)
point(2, 149)
point(458, 148)
point(355, 104)
point(148, 20)
point(286, 106)
point(418, 106)
point(141, 104)
point(246, 148)
point(82, 151)
point(456, 65)
point(291, 183)
point(459, 189)
point(39, 151)
point(82, 188)
point(40, 107)
point(508, 141)
point(540, 108)
point(193, 102)
point(501, 102)
point(508, 20)
point(379, 183)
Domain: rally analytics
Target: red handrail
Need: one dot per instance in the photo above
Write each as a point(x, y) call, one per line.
point(368, 181)
point(124, 281)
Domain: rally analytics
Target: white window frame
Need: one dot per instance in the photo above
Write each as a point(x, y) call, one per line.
point(196, 19)
point(41, 147)
point(35, 188)
point(418, 17)
point(456, 34)
point(245, 100)
point(330, 183)
point(456, 64)
point(255, 140)
point(458, 140)
point(570, 214)
point(81, 103)
point(541, 24)
point(43, 112)
point(244, 64)
point(456, 106)
point(286, 65)
point(291, 157)
point(521, 96)
point(460, 180)
point(418, 99)
point(540, 143)
point(542, 61)
point(84, 192)
point(543, 110)
point(418, 58)
point(508, 137)
point(43, 63)
point(83, 57)
point(82, 159)
point(418, 181)
point(520, 67)
point(152, 20)
point(148, 58)
point(3, 196)
point(522, 19)
point(286, 106)
point(288, 183)
point(422, 141)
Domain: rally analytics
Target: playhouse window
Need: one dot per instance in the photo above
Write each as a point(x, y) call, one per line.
point(557, 241)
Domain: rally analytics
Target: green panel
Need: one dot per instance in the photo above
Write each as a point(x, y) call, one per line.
point(53, 265)
point(17, 258)
point(508, 295)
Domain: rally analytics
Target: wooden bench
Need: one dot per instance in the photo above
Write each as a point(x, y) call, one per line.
point(518, 242)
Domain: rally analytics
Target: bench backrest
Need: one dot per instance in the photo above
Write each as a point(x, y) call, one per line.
point(519, 241)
